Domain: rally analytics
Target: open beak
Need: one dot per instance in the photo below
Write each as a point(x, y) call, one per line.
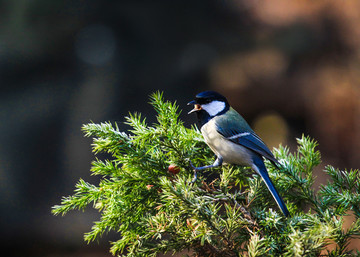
point(197, 107)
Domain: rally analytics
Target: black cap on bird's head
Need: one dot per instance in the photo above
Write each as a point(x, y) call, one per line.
point(208, 96)
point(208, 104)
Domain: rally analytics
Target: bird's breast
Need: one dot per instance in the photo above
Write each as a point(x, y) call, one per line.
point(229, 151)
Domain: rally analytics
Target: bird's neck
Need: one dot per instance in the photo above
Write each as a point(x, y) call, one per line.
point(203, 117)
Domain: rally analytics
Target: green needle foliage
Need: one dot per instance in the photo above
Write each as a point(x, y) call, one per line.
point(227, 212)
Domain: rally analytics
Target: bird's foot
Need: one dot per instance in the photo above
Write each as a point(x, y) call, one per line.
point(195, 172)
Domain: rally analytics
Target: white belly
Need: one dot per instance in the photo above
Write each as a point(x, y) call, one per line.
point(229, 151)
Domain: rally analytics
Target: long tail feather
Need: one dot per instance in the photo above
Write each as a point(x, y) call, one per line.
point(260, 168)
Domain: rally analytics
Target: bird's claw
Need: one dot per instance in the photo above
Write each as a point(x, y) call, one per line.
point(192, 165)
point(195, 172)
point(195, 178)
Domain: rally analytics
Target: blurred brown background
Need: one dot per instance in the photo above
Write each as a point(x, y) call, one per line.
point(290, 67)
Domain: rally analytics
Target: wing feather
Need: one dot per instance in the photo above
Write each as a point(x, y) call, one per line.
point(233, 127)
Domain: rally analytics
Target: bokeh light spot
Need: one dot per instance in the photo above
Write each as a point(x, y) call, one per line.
point(272, 128)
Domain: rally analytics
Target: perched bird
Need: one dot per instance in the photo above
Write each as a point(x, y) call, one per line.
point(231, 139)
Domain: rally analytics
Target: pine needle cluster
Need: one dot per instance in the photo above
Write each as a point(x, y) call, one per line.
point(145, 195)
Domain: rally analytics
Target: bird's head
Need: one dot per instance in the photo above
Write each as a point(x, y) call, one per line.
point(209, 104)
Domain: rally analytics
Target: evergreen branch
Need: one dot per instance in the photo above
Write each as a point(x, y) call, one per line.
point(145, 196)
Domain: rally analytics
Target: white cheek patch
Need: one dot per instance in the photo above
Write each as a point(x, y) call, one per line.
point(213, 107)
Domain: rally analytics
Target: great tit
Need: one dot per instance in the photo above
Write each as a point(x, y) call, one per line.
point(231, 139)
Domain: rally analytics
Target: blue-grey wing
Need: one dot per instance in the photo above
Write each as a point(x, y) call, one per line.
point(239, 132)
